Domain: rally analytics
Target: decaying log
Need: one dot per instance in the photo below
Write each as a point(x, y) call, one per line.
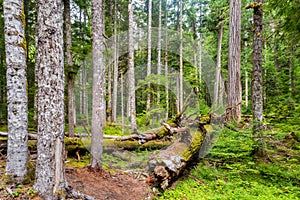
point(165, 165)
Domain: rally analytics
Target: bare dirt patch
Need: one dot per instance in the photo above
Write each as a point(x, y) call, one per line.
point(107, 185)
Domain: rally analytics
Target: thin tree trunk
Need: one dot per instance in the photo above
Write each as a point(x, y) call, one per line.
point(67, 13)
point(216, 100)
point(122, 102)
point(85, 99)
point(131, 79)
point(115, 88)
point(148, 103)
point(98, 101)
point(50, 169)
point(166, 63)
point(15, 49)
point(180, 59)
point(159, 48)
point(109, 94)
point(234, 92)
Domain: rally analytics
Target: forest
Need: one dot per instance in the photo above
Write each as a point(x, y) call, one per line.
point(155, 99)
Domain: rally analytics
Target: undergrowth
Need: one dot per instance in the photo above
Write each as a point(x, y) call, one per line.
point(230, 171)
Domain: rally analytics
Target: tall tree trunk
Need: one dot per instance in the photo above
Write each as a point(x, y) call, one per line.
point(234, 92)
point(115, 83)
point(122, 102)
point(246, 89)
point(159, 48)
point(109, 94)
point(68, 33)
point(217, 96)
point(85, 99)
point(148, 103)
point(131, 79)
point(50, 169)
point(166, 63)
point(257, 80)
point(180, 59)
point(15, 49)
point(98, 101)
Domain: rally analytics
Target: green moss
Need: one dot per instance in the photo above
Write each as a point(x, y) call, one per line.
point(30, 176)
point(194, 146)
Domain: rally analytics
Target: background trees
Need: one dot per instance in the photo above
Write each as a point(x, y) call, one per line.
point(276, 63)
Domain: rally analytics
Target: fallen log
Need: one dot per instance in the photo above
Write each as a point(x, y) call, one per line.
point(166, 165)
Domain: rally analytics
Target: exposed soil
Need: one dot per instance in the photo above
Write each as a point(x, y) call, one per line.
point(101, 185)
point(104, 185)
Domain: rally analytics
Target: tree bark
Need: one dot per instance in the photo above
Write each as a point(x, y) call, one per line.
point(15, 49)
point(148, 102)
point(68, 35)
point(131, 78)
point(50, 170)
point(180, 59)
point(166, 63)
point(217, 90)
point(234, 92)
point(98, 101)
point(159, 49)
point(115, 83)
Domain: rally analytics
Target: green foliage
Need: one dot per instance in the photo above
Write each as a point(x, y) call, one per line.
point(112, 130)
point(231, 172)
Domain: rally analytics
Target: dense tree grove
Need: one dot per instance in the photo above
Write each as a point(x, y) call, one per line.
point(133, 63)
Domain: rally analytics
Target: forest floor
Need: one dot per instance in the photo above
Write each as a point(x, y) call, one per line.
point(228, 171)
point(104, 184)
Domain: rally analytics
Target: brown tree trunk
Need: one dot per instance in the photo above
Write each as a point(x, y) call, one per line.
point(234, 92)
point(68, 33)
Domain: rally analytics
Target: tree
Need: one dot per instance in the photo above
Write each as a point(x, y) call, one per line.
point(131, 79)
point(115, 82)
point(180, 59)
point(234, 92)
point(166, 62)
point(98, 101)
point(50, 169)
point(257, 79)
point(159, 45)
point(68, 33)
point(15, 48)
point(148, 103)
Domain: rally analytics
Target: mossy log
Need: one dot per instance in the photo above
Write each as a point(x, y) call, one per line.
point(166, 165)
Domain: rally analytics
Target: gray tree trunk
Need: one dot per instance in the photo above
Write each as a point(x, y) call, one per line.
point(115, 83)
point(148, 103)
point(166, 63)
point(217, 97)
point(98, 101)
point(131, 79)
point(257, 89)
point(50, 169)
point(234, 93)
point(71, 120)
point(159, 48)
point(257, 81)
point(15, 49)
point(180, 59)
